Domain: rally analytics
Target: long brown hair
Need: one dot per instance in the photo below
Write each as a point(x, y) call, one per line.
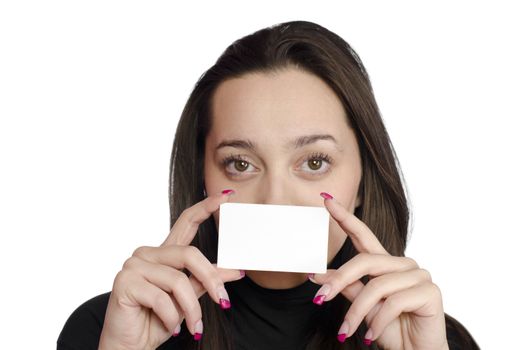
point(317, 50)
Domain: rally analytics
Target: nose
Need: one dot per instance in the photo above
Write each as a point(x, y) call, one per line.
point(277, 188)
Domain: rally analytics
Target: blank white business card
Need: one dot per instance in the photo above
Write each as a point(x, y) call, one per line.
point(270, 237)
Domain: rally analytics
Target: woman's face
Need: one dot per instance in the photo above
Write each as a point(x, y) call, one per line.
point(300, 143)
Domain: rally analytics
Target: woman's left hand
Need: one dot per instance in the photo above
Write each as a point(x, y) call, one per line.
point(400, 304)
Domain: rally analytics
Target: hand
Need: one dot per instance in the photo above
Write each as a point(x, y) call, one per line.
point(151, 295)
point(400, 304)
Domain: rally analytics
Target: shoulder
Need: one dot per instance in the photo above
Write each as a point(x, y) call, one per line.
point(83, 327)
point(458, 337)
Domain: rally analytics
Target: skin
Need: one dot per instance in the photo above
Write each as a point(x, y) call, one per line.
point(151, 296)
point(270, 111)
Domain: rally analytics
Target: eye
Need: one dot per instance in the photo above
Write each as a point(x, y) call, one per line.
point(240, 164)
point(316, 161)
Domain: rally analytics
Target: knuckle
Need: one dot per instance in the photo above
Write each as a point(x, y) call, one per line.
point(191, 251)
point(411, 262)
point(122, 278)
point(435, 290)
point(140, 252)
point(160, 301)
point(426, 275)
point(130, 263)
point(178, 279)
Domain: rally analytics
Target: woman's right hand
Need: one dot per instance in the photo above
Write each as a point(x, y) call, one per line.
point(151, 295)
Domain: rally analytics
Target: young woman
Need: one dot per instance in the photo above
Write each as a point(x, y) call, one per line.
point(287, 115)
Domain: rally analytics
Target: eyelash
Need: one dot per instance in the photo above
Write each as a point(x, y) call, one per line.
point(316, 155)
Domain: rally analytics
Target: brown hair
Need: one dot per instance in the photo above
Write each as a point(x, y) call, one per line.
point(314, 49)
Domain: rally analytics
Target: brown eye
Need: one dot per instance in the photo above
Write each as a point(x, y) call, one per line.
point(241, 165)
point(314, 164)
point(235, 165)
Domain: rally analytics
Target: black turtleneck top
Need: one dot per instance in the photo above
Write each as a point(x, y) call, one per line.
point(260, 318)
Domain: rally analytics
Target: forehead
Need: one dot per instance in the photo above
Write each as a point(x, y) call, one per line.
point(276, 104)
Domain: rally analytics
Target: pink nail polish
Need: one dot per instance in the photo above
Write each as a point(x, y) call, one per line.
point(343, 331)
point(367, 342)
point(242, 273)
point(319, 299)
point(321, 294)
point(228, 192)
point(326, 195)
point(225, 304)
point(198, 329)
point(223, 298)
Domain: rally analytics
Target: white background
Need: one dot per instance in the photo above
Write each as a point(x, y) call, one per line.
point(91, 93)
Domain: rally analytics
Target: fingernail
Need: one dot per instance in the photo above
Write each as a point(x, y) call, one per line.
point(224, 298)
point(242, 273)
point(228, 192)
point(368, 338)
point(321, 294)
point(177, 331)
point(310, 276)
point(198, 330)
point(326, 195)
point(343, 331)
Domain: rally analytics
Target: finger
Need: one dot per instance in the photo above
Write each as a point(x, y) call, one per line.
point(184, 229)
point(424, 300)
point(191, 258)
point(361, 265)
point(146, 294)
point(350, 291)
point(362, 237)
point(171, 281)
point(380, 288)
point(180, 313)
point(227, 275)
point(321, 278)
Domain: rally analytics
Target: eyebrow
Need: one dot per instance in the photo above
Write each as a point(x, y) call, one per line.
point(296, 143)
